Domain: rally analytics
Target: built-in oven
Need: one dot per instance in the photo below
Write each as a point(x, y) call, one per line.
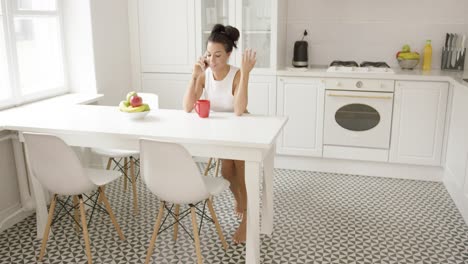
point(358, 118)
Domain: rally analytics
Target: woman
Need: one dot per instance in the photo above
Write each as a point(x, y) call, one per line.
point(226, 87)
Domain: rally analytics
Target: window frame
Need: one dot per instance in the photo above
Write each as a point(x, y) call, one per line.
point(10, 12)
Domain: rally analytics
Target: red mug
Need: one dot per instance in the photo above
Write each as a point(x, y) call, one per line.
point(202, 107)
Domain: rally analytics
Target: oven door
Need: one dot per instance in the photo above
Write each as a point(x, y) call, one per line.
point(358, 119)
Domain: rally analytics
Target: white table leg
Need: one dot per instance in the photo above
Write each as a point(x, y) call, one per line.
point(39, 199)
point(267, 195)
point(252, 182)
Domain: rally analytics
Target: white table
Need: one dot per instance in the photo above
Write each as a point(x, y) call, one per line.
point(249, 137)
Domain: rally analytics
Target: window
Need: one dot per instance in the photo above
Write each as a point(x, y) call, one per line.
point(31, 52)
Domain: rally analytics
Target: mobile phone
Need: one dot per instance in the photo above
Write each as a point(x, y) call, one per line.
point(205, 59)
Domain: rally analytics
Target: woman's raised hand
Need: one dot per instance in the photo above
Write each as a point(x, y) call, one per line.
point(199, 67)
point(249, 58)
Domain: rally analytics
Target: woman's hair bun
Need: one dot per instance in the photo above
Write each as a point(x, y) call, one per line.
point(218, 28)
point(227, 35)
point(233, 33)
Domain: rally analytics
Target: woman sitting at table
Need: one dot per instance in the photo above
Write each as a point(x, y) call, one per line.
point(226, 87)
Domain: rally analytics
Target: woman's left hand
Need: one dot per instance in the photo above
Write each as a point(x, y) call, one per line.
point(249, 58)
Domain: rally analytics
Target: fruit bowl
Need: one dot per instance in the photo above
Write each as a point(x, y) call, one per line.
point(135, 115)
point(408, 64)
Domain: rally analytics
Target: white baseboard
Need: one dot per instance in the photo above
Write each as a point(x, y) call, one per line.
point(13, 215)
point(456, 191)
point(367, 168)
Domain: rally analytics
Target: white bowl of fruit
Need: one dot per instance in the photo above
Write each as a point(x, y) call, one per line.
point(406, 59)
point(133, 107)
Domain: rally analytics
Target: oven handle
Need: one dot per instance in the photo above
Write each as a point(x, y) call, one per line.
point(360, 96)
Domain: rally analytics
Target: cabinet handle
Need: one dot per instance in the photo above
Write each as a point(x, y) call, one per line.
point(360, 96)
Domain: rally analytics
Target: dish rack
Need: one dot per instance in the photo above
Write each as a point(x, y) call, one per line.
point(453, 59)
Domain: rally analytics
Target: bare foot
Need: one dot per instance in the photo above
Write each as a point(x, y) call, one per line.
point(241, 233)
point(239, 210)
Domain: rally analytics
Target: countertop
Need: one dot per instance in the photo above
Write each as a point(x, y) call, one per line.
point(401, 75)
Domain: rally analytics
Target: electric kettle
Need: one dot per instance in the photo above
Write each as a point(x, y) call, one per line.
point(300, 58)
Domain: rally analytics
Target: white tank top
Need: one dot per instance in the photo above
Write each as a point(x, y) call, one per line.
point(220, 92)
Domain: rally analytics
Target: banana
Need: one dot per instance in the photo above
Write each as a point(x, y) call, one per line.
point(130, 94)
point(131, 109)
point(408, 55)
point(125, 107)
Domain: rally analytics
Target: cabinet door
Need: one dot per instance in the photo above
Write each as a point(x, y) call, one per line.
point(207, 14)
point(170, 88)
point(262, 95)
point(167, 43)
point(257, 21)
point(418, 122)
point(302, 100)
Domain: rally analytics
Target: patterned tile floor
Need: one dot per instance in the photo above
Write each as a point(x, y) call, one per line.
point(319, 218)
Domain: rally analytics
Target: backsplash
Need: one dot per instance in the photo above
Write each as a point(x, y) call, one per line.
point(372, 30)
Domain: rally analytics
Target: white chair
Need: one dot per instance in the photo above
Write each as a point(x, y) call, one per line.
point(58, 169)
point(170, 173)
point(130, 157)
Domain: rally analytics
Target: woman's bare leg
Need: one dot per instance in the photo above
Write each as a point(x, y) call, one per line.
point(228, 171)
point(240, 234)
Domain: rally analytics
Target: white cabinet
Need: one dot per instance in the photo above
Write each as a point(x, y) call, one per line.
point(302, 100)
point(262, 95)
point(418, 122)
point(260, 23)
point(456, 165)
point(170, 88)
point(166, 41)
point(161, 42)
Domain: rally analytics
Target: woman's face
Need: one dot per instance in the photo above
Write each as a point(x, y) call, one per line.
point(216, 56)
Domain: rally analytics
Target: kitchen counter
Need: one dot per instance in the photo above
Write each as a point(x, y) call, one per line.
point(401, 75)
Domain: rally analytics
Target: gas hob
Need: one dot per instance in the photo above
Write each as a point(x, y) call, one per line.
point(364, 67)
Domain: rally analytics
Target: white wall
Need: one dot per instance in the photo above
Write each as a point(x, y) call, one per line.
point(372, 29)
point(79, 46)
point(109, 20)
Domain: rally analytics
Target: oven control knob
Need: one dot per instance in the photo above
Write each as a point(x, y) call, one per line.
point(338, 83)
point(359, 84)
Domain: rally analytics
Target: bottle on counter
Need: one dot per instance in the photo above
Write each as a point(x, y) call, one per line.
point(427, 56)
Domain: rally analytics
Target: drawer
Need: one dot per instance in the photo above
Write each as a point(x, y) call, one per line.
point(359, 84)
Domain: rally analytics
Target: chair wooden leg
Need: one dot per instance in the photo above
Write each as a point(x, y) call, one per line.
point(76, 213)
point(126, 174)
point(155, 232)
point(207, 169)
point(85, 229)
point(195, 235)
point(47, 228)
point(218, 227)
point(176, 225)
point(135, 196)
point(111, 213)
point(109, 163)
point(218, 161)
